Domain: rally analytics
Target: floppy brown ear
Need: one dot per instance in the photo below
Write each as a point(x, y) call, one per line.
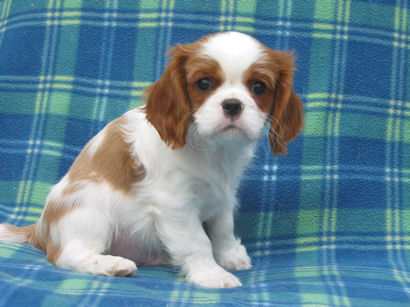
point(167, 106)
point(287, 115)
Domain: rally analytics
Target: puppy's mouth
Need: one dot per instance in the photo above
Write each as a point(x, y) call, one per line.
point(230, 128)
point(233, 130)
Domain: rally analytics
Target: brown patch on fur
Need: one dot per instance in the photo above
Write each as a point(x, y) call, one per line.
point(26, 232)
point(53, 251)
point(197, 68)
point(174, 96)
point(168, 106)
point(112, 162)
point(32, 237)
point(52, 213)
point(55, 210)
point(41, 241)
point(284, 106)
point(267, 73)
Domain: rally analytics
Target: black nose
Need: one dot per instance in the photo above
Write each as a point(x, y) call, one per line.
point(232, 107)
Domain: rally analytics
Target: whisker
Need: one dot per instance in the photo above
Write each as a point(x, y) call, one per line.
point(275, 135)
point(190, 138)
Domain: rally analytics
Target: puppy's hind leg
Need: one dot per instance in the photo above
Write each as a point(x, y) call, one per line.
point(84, 235)
point(78, 257)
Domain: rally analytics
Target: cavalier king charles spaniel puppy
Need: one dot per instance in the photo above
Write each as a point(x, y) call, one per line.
point(157, 185)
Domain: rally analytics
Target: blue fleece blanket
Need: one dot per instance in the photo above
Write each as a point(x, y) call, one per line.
point(329, 224)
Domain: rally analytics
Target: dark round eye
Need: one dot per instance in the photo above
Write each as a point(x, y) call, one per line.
point(258, 88)
point(204, 84)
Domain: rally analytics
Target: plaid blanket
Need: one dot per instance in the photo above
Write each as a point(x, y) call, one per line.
point(329, 224)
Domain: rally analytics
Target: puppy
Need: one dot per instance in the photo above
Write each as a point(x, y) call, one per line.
point(157, 185)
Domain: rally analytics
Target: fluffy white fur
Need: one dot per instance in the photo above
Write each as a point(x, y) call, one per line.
point(162, 220)
point(183, 188)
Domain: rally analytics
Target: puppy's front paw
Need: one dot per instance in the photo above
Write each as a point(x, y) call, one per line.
point(213, 278)
point(234, 258)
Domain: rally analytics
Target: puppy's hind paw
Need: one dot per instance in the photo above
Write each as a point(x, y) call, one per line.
point(107, 265)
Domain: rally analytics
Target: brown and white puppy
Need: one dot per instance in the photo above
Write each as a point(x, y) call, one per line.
point(142, 189)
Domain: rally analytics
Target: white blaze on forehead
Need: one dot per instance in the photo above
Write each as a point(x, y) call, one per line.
point(235, 52)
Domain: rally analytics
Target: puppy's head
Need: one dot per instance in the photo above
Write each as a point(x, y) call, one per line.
point(228, 85)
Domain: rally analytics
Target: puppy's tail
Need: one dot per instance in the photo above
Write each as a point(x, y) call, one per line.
point(26, 234)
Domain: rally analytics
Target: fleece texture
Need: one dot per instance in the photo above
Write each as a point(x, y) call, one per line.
point(329, 224)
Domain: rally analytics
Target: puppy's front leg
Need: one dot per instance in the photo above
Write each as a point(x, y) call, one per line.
point(228, 250)
point(190, 248)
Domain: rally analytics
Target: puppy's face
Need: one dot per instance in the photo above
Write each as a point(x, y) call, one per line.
point(227, 85)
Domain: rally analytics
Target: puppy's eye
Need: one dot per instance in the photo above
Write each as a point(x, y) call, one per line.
point(204, 84)
point(258, 88)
